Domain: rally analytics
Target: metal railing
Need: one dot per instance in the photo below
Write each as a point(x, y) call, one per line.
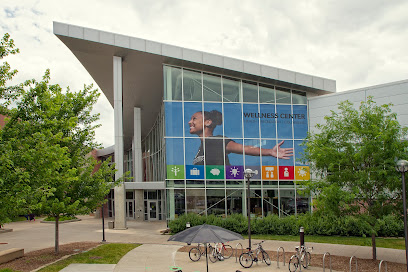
point(236, 251)
point(379, 266)
point(351, 259)
point(277, 256)
point(324, 257)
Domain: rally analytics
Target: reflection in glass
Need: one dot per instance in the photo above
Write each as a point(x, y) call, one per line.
point(212, 88)
point(266, 94)
point(192, 86)
point(299, 97)
point(302, 204)
point(235, 201)
point(271, 202)
point(287, 202)
point(172, 83)
point(175, 203)
point(250, 92)
point(195, 183)
point(282, 95)
point(231, 90)
point(216, 202)
point(195, 201)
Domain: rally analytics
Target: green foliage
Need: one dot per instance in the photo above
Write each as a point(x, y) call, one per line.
point(353, 160)
point(314, 224)
point(45, 166)
point(62, 218)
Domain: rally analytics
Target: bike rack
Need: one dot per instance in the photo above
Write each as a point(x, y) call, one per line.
point(324, 256)
point(351, 259)
point(277, 256)
point(236, 251)
point(379, 266)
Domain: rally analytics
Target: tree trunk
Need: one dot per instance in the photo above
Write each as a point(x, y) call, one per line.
point(374, 246)
point(57, 234)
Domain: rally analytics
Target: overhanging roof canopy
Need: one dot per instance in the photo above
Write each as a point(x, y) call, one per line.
point(142, 70)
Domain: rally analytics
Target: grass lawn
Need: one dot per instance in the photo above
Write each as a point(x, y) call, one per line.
point(396, 243)
point(104, 254)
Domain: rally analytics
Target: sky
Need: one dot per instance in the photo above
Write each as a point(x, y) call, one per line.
point(357, 43)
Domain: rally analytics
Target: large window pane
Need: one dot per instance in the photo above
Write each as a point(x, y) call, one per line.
point(192, 86)
point(302, 203)
point(231, 90)
point(213, 112)
point(216, 202)
point(172, 83)
point(251, 121)
point(175, 203)
point(250, 92)
point(174, 119)
point(212, 88)
point(268, 121)
point(284, 121)
point(174, 151)
point(287, 202)
point(233, 120)
point(300, 126)
point(282, 95)
point(266, 94)
point(299, 97)
point(195, 201)
point(235, 201)
point(271, 202)
point(193, 112)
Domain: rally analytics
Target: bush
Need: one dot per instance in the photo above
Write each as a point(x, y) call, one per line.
point(388, 226)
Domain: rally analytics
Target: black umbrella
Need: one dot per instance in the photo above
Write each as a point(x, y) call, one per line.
point(206, 234)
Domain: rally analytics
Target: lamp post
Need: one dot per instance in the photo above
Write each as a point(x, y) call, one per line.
point(249, 173)
point(103, 224)
point(402, 167)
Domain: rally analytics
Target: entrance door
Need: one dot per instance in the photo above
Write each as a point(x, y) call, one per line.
point(152, 210)
point(130, 209)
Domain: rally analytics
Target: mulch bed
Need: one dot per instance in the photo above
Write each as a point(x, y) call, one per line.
point(39, 258)
point(339, 263)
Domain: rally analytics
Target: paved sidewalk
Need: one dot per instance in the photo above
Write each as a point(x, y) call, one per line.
point(156, 253)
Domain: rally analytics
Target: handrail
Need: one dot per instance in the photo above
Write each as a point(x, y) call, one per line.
point(379, 266)
point(236, 251)
point(324, 256)
point(277, 256)
point(351, 259)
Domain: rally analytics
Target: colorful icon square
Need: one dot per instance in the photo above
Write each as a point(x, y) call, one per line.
point(256, 169)
point(175, 171)
point(286, 172)
point(194, 171)
point(302, 173)
point(270, 172)
point(214, 171)
point(234, 172)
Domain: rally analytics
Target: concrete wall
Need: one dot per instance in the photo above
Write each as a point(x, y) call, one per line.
point(394, 92)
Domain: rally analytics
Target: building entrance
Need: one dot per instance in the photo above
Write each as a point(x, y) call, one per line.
point(130, 211)
point(153, 210)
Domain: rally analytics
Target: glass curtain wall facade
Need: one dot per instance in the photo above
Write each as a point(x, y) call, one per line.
point(217, 126)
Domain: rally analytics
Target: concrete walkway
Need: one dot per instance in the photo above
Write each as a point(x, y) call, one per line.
point(156, 254)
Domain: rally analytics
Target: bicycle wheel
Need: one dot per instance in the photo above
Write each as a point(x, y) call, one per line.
point(227, 251)
point(266, 258)
point(213, 255)
point(293, 263)
point(306, 259)
point(246, 260)
point(194, 254)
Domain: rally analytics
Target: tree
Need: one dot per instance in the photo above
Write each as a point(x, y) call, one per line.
point(45, 144)
point(353, 160)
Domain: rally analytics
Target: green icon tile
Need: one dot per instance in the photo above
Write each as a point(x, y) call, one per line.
point(214, 172)
point(175, 171)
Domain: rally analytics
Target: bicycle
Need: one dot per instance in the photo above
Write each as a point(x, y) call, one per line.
point(195, 253)
point(302, 257)
point(259, 254)
point(225, 250)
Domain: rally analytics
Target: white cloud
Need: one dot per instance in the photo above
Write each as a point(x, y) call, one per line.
point(357, 43)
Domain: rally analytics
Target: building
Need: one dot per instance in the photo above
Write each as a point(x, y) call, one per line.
point(187, 124)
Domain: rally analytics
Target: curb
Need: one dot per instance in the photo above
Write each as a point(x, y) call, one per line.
point(61, 222)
